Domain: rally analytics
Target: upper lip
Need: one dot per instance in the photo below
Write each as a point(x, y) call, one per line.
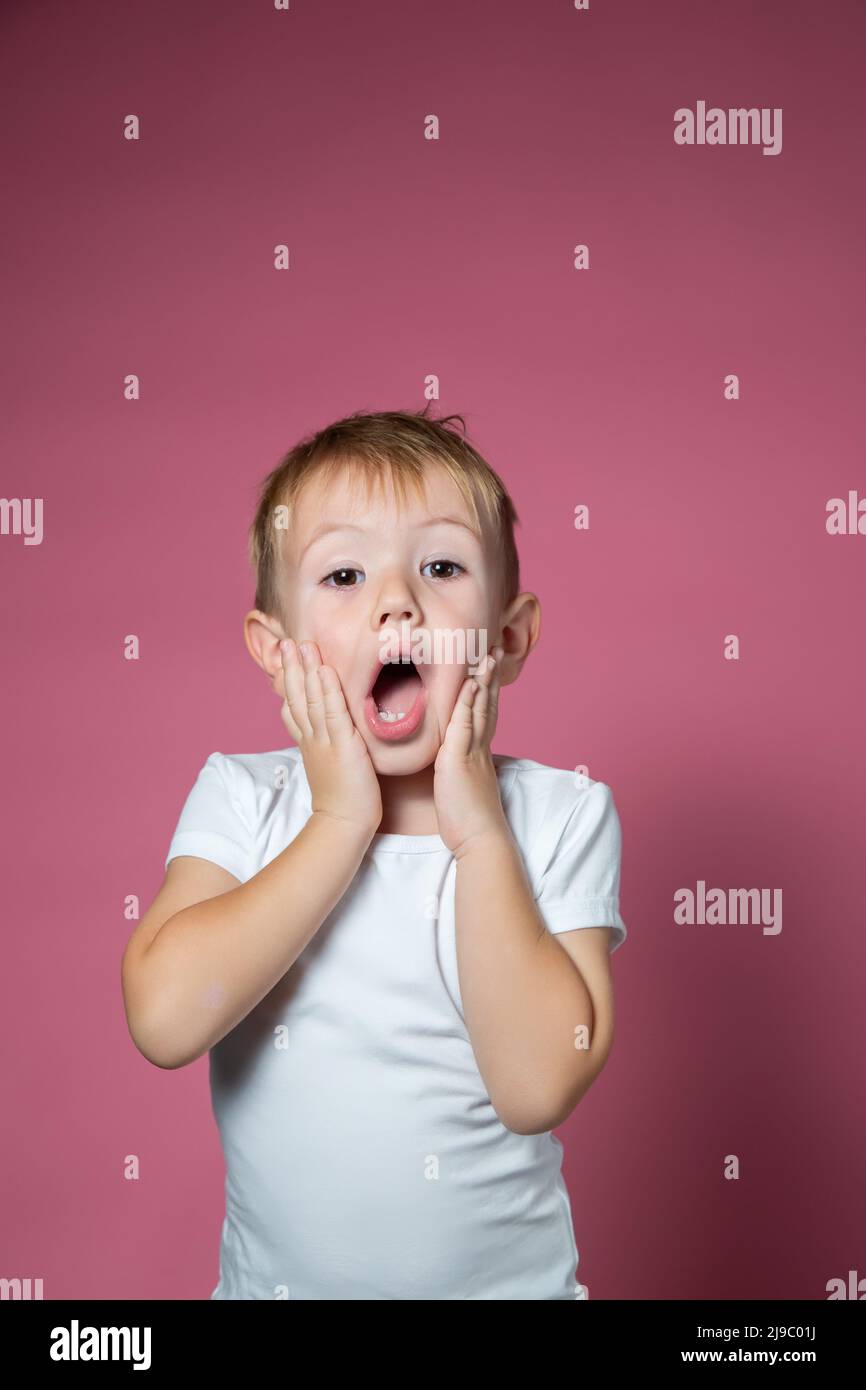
point(403, 658)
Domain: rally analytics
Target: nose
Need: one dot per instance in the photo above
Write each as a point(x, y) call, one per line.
point(395, 604)
point(393, 615)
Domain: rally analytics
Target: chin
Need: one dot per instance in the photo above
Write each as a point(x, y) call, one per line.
point(401, 759)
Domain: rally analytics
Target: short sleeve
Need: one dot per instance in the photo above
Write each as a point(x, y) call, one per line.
point(213, 824)
point(580, 886)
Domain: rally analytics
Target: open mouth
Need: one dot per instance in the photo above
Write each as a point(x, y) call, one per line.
point(396, 701)
point(395, 690)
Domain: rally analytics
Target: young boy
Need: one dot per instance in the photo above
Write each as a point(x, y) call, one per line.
point(393, 943)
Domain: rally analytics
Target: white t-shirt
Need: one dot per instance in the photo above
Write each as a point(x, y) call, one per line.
point(364, 1159)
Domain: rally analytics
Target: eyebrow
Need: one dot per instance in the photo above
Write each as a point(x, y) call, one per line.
point(327, 527)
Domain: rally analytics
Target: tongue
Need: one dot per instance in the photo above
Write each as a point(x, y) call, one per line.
point(396, 691)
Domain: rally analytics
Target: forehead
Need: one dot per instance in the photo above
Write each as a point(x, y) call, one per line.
point(351, 495)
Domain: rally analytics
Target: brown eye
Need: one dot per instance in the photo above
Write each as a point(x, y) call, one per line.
point(448, 564)
point(340, 573)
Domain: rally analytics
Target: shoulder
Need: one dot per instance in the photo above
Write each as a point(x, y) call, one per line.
point(259, 769)
point(242, 809)
point(568, 830)
point(547, 805)
point(540, 790)
point(253, 781)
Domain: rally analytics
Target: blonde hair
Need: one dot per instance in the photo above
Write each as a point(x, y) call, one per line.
point(400, 443)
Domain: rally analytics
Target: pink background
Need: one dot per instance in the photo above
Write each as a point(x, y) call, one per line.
point(603, 387)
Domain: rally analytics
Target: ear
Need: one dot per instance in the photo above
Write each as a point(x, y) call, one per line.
point(262, 635)
point(519, 630)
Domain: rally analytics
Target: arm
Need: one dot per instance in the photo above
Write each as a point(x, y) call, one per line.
point(538, 1005)
point(210, 948)
point(526, 992)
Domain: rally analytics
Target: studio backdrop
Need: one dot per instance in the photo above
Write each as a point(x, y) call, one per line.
point(625, 242)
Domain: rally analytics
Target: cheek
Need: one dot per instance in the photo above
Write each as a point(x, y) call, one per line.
point(321, 623)
point(335, 636)
point(470, 611)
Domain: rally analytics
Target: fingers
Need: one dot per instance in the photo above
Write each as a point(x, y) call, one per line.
point(486, 706)
point(311, 659)
point(314, 695)
point(338, 721)
point(458, 735)
point(295, 707)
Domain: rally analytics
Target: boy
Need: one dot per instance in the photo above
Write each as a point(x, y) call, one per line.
point(393, 944)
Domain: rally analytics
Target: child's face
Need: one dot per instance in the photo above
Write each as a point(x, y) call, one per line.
point(391, 583)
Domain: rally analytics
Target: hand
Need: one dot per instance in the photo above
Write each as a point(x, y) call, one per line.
point(465, 785)
point(339, 769)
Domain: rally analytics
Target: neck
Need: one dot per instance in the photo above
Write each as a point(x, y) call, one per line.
point(407, 804)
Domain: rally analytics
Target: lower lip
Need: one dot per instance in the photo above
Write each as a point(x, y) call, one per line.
point(396, 728)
